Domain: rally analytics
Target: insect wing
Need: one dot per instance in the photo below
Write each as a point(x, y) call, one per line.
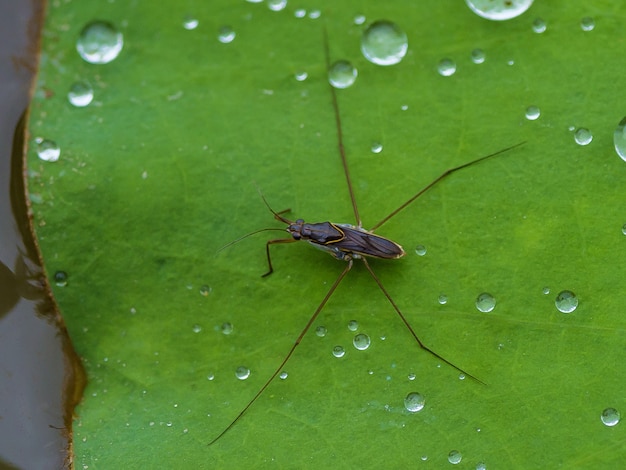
point(359, 241)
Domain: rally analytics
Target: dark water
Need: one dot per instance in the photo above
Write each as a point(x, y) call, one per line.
point(40, 376)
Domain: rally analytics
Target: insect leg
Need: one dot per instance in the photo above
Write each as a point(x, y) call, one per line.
point(293, 348)
point(408, 325)
point(267, 250)
point(441, 177)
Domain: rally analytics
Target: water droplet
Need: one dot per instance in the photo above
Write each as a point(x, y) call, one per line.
point(624, 229)
point(411, 376)
point(481, 466)
point(610, 417)
point(377, 147)
point(485, 302)
point(321, 331)
point(315, 14)
point(227, 328)
point(197, 328)
point(583, 136)
point(205, 290)
point(384, 43)
point(242, 373)
point(359, 19)
point(353, 325)
point(424, 458)
point(283, 375)
point(462, 376)
point(226, 34)
point(442, 299)
point(414, 402)
point(299, 13)
point(338, 351)
point(533, 113)
point(99, 42)
point(455, 457)
point(276, 5)
point(478, 56)
point(499, 10)
point(545, 290)
point(60, 278)
point(619, 139)
point(566, 301)
point(587, 23)
point(210, 377)
point(342, 74)
point(48, 150)
point(420, 250)
point(190, 23)
point(80, 94)
point(446, 67)
point(539, 26)
point(361, 342)
point(301, 76)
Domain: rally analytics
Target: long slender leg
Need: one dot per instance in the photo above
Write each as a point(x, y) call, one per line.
point(408, 325)
point(342, 150)
point(441, 177)
point(293, 348)
point(267, 250)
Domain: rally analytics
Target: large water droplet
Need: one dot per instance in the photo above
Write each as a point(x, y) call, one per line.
point(619, 139)
point(455, 457)
point(384, 43)
point(610, 416)
point(485, 302)
point(242, 373)
point(48, 150)
point(499, 10)
point(414, 402)
point(342, 74)
point(226, 34)
point(80, 94)
point(446, 67)
point(361, 342)
point(583, 136)
point(533, 113)
point(587, 24)
point(566, 301)
point(99, 42)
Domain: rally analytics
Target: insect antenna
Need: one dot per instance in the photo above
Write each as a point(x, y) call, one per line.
point(269, 229)
point(446, 173)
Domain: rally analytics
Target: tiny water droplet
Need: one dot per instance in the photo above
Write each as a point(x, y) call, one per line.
point(610, 416)
point(545, 290)
point(624, 229)
point(499, 10)
point(533, 113)
point(455, 457)
point(315, 14)
point(446, 67)
point(353, 325)
point(566, 301)
point(80, 94)
point(384, 43)
point(462, 376)
point(301, 76)
point(189, 23)
point(48, 150)
point(210, 377)
point(411, 376)
point(481, 466)
point(226, 34)
point(205, 290)
point(338, 351)
point(414, 402)
point(619, 139)
point(424, 458)
point(342, 74)
point(359, 19)
point(276, 5)
point(60, 278)
point(361, 342)
point(242, 373)
point(478, 56)
point(539, 25)
point(377, 147)
point(587, 23)
point(227, 328)
point(299, 13)
point(321, 331)
point(583, 136)
point(442, 299)
point(283, 375)
point(197, 328)
point(420, 250)
point(485, 302)
point(99, 42)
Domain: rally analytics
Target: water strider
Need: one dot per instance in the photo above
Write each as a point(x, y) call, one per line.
point(347, 242)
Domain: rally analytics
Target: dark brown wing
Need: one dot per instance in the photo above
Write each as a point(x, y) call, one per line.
point(359, 241)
